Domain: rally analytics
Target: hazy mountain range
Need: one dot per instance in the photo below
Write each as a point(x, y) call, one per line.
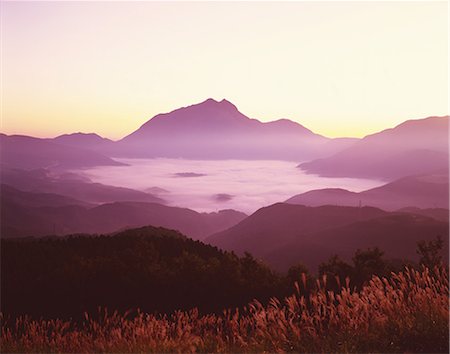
point(283, 234)
point(422, 191)
point(72, 185)
point(42, 191)
point(41, 214)
point(18, 151)
point(217, 130)
point(80, 140)
point(413, 147)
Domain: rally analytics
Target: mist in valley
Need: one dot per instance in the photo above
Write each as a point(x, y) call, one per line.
point(212, 185)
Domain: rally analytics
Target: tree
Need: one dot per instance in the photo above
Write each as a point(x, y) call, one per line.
point(367, 264)
point(430, 252)
point(336, 270)
point(300, 274)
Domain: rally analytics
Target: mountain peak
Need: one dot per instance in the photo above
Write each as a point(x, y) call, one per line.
point(79, 134)
point(212, 100)
point(225, 101)
point(222, 104)
point(216, 128)
point(83, 140)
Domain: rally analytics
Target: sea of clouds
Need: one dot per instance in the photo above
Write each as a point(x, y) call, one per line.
point(205, 185)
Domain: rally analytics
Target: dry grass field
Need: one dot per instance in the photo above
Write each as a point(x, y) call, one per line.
point(407, 312)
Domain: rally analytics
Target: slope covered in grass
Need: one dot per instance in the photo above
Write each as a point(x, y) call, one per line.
point(406, 313)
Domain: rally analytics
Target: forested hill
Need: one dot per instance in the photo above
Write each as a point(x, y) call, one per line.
point(159, 271)
point(154, 269)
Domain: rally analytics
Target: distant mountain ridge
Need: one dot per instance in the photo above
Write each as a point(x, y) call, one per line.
point(217, 130)
point(18, 151)
point(34, 199)
point(53, 214)
point(423, 191)
point(396, 234)
point(83, 140)
point(212, 117)
point(73, 186)
point(414, 147)
point(279, 224)
point(284, 234)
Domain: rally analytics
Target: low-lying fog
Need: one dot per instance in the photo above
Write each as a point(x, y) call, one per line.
point(214, 185)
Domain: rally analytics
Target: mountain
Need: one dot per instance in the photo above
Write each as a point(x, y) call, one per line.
point(27, 199)
point(284, 235)
point(53, 217)
point(395, 234)
point(279, 224)
point(411, 148)
point(217, 130)
point(327, 196)
point(440, 214)
point(334, 145)
point(73, 186)
point(423, 191)
point(28, 153)
point(90, 141)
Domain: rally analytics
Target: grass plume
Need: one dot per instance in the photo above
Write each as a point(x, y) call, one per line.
point(406, 312)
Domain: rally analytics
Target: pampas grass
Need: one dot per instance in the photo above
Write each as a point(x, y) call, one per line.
point(407, 312)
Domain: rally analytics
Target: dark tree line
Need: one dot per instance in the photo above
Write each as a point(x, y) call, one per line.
point(155, 270)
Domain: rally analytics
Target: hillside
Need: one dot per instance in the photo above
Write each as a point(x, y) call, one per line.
point(31, 199)
point(279, 224)
point(396, 234)
point(89, 141)
point(411, 148)
point(152, 269)
point(423, 191)
point(435, 213)
point(283, 235)
point(73, 186)
point(29, 153)
point(42, 218)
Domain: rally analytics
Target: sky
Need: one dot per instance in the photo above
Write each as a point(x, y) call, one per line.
point(338, 68)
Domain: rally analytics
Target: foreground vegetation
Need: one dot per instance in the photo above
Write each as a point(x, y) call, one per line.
point(407, 312)
point(154, 269)
point(55, 292)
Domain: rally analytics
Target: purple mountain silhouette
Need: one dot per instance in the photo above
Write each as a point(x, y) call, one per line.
point(279, 224)
point(424, 191)
point(105, 218)
point(413, 147)
point(396, 234)
point(216, 130)
point(284, 234)
point(25, 152)
point(45, 181)
point(84, 140)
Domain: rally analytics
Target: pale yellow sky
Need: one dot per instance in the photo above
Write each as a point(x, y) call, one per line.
point(339, 68)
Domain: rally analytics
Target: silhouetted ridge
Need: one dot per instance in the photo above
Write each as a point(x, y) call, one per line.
point(284, 234)
point(423, 191)
point(413, 147)
point(153, 269)
point(216, 130)
point(18, 151)
point(57, 212)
